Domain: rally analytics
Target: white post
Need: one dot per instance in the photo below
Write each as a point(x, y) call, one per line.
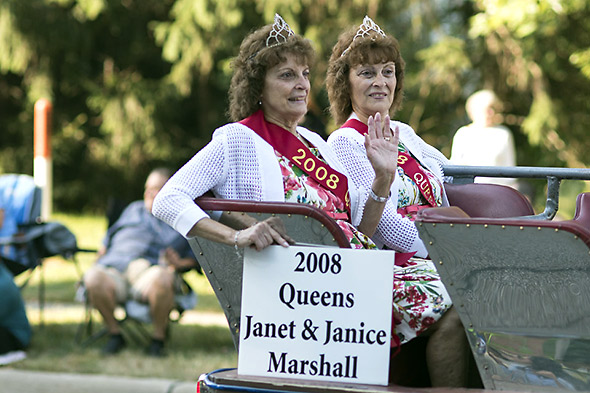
point(42, 164)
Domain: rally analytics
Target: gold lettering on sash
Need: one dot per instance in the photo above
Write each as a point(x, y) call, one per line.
point(298, 159)
point(422, 182)
point(323, 175)
point(321, 172)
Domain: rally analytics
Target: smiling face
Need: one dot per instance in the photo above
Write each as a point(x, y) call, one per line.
point(372, 88)
point(285, 93)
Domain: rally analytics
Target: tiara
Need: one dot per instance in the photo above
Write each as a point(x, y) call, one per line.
point(365, 30)
point(279, 33)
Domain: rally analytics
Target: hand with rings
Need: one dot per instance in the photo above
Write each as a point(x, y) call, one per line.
point(381, 144)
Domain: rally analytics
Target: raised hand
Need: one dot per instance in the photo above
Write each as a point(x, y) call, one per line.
point(381, 144)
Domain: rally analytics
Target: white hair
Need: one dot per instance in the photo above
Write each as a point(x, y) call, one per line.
point(479, 102)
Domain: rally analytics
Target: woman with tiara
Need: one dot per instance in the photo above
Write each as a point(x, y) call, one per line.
point(260, 155)
point(365, 80)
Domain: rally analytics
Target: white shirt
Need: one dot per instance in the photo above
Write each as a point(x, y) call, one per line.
point(484, 146)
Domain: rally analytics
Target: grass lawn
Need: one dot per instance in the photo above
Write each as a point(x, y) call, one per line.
point(199, 343)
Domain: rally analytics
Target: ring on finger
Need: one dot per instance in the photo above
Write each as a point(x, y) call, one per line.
point(386, 138)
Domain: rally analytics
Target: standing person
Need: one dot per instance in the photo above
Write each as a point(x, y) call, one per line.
point(15, 330)
point(484, 142)
point(260, 156)
point(141, 259)
point(365, 79)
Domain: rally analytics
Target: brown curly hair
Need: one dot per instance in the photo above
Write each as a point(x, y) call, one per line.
point(371, 49)
point(253, 61)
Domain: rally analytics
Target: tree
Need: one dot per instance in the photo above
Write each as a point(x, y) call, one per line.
point(137, 84)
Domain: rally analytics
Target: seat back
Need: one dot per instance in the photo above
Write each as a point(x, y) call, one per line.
point(223, 265)
point(521, 289)
point(20, 200)
point(488, 200)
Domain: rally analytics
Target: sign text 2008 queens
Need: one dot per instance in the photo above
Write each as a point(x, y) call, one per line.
point(317, 313)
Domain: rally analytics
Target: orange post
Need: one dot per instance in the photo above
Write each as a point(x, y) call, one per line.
point(42, 165)
point(42, 128)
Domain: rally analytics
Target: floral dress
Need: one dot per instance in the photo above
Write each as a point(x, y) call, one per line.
point(419, 297)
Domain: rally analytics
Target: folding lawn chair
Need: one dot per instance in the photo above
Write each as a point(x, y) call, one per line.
point(135, 315)
point(24, 239)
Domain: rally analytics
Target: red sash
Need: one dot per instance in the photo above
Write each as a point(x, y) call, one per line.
point(411, 167)
point(407, 162)
point(291, 147)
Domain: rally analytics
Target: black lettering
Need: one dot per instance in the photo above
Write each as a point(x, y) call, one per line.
point(274, 364)
point(350, 300)
point(314, 298)
point(325, 367)
point(326, 296)
point(300, 267)
point(293, 366)
point(313, 367)
point(291, 296)
point(302, 297)
point(287, 295)
point(248, 323)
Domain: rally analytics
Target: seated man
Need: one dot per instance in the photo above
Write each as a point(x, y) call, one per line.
point(140, 260)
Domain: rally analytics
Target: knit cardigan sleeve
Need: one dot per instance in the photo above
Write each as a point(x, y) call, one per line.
point(394, 231)
point(174, 204)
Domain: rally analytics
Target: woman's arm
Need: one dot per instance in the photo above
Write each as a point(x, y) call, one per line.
point(259, 236)
point(381, 146)
point(394, 230)
point(175, 204)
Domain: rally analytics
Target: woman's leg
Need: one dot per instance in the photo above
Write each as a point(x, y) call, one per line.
point(447, 352)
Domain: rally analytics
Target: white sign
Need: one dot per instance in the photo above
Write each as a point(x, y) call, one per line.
point(317, 313)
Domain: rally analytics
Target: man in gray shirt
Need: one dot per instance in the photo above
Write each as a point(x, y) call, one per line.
point(141, 259)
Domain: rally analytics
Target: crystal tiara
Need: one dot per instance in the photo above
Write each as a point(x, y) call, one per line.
point(364, 30)
point(279, 33)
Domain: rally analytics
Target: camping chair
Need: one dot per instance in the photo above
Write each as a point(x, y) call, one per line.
point(20, 200)
point(24, 239)
point(132, 315)
point(521, 289)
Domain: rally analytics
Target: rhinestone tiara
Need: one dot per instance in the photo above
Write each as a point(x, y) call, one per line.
point(364, 30)
point(279, 33)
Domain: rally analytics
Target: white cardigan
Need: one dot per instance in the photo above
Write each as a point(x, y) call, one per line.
point(236, 164)
point(393, 231)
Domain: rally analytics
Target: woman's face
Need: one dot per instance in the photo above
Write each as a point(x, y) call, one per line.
point(372, 88)
point(285, 92)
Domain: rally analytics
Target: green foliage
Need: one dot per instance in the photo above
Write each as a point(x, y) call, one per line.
point(142, 83)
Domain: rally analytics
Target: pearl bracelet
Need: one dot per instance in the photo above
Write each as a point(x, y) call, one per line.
point(379, 199)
